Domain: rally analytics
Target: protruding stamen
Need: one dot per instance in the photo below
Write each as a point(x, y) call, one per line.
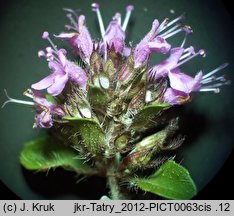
point(166, 25)
point(187, 52)
point(129, 10)
point(214, 78)
point(175, 20)
point(200, 52)
point(190, 50)
point(41, 53)
point(215, 90)
point(49, 49)
point(221, 78)
point(169, 31)
point(72, 12)
point(172, 33)
point(184, 41)
point(28, 93)
point(96, 7)
point(12, 100)
point(209, 79)
point(218, 84)
point(46, 36)
point(73, 22)
point(188, 30)
point(185, 56)
point(69, 27)
point(162, 26)
point(215, 70)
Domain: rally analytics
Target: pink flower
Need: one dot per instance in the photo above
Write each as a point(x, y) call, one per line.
point(162, 69)
point(45, 110)
point(80, 39)
point(155, 40)
point(174, 97)
point(182, 85)
point(114, 35)
point(63, 70)
point(150, 43)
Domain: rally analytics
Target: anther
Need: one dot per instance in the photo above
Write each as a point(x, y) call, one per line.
point(96, 8)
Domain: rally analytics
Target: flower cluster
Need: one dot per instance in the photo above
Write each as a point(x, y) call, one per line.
point(128, 61)
point(103, 104)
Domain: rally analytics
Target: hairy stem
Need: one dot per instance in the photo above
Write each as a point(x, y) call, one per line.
point(112, 180)
point(114, 188)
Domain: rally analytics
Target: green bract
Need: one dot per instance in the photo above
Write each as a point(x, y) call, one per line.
point(171, 181)
point(46, 153)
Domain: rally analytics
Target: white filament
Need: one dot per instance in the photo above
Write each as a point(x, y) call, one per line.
point(12, 100)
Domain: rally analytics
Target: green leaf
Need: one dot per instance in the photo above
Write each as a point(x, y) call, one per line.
point(46, 153)
point(145, 118)
point(97, 97)
point(91, 133)
point(171, 181)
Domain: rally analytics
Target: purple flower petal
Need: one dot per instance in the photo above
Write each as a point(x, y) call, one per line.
point(175, 55)
point(183, 82)
point(142, 50)
point(62, 57)
point(57, 109)
point(76, 74)
point(151, 34)
point(160, 45)
point(55, 66)
point(162, 69)
point(118, 44)
point(83, 40)
point(44, 119)
point(197, 81)
point(40, 99)
point(114, 30)
point(141, 56)
point(174, 97)
point(59, 83)
point(44, 83)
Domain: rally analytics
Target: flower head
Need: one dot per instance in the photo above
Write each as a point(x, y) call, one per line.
point(120, 76)
point(109, 111)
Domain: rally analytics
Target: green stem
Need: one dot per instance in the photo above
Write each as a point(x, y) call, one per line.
point(113, 182)
point(114, 188)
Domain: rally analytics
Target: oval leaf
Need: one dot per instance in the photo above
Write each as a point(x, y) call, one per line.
point(145, 118)
point(91, 133)
point(171, 181)
point(46, 153)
